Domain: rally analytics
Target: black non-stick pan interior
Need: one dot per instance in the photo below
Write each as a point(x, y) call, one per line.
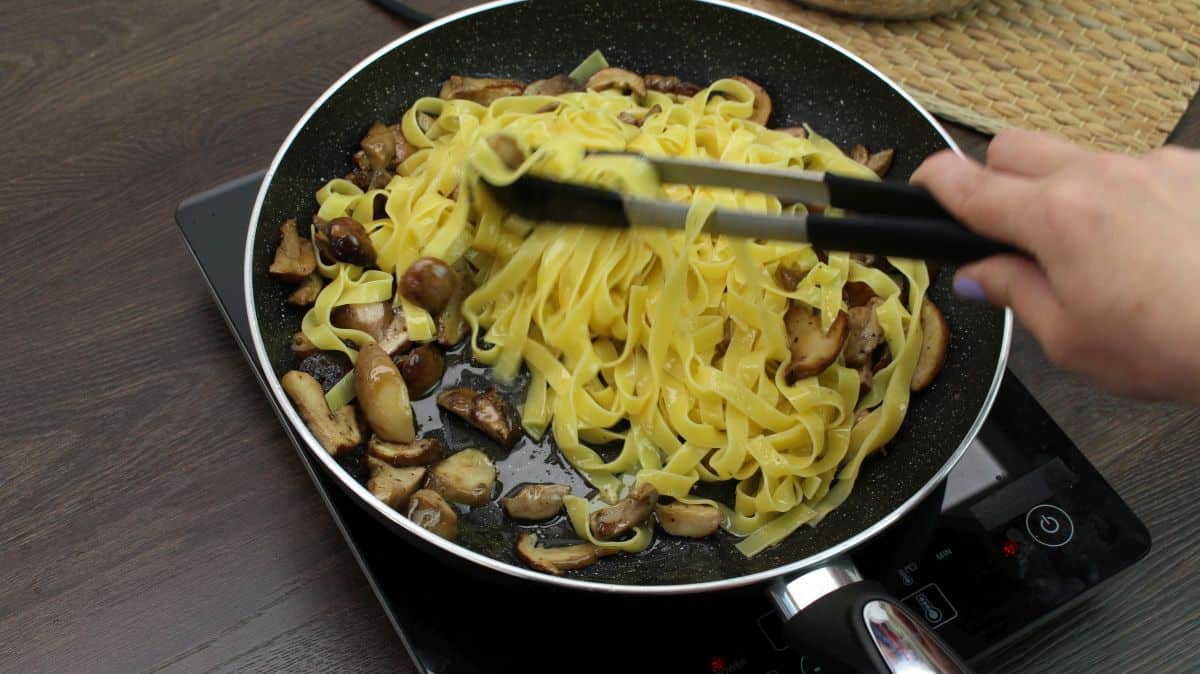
point(809, 82)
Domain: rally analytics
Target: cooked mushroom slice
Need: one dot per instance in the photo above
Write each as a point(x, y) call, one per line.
point(392, 485)
point(349, 242)
point(488, 412)
point(812, 350)
point(788, 277)
point(933, 346)
point(294, 258)
point(689, 520)
point(370, 317)
point(617, 78)
point(336, 431)
point(797, 131)
point(866, 375)
point(464, 477)
point(859, 153)
point(306, 293)
point(628, 118)
point(430, 511)
point(865, 334)
point(422, 369)
point(327, 367)
point(425, 121)
point(420, 452)
point(492, 414)
point(881, 161)
point(404, 149)
point(552, 86)
point(452, 327)
point(535, 502)
point(857, 293)
point(558, 559)
point(378, 319)
point(379, 146)
point(383, 395)
point(364, 176)
point(481, 90)
point(429, 283)
point(505, 147)
point(616, 520)
point(457, 400)
point(302, 346)
point(762, 102)
point(670, 84)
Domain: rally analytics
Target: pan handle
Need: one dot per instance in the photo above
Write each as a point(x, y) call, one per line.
point(852, 624)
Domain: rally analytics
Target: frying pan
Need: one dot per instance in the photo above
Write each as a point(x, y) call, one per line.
point(827, 607)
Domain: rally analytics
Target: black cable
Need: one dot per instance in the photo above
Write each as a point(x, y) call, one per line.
point(402, 10)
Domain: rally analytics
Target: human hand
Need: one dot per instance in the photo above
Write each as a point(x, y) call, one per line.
point(1113, 290)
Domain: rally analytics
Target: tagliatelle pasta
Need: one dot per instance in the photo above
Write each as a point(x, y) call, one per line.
point(669, 344)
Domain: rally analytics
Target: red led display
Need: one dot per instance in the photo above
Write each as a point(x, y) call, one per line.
point(717, 663)
point(1009, 548)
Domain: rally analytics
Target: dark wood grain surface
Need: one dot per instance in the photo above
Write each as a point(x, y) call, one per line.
point(153, 515)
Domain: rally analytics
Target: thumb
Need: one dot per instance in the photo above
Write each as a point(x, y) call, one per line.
point(1016, 282)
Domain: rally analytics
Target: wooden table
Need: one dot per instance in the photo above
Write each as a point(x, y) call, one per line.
point(154, 516)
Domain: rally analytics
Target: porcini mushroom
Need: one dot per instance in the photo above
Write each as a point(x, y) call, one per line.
point(812, 349)
point(379, 146)
point(689, 520)
point(452, 326)
point(294, 258)
point(552, 86)
point(535, 502)
point(419, 452)
point(936, 337)
point(865, 334)
point(349, 242)
point(429, 283)
point(617, 78)
point(368, 317)
point(487, 411)
point(336, 431)
point(618, 519)
point(422, 369)
point(383, 395)
point(430, 511)
point(762, 102)
point(306, 293)
point(557, 559)
point(881, 161)
point(481, 90)
point(670, 84)
point(392, 485)
point(465, 477)
point(378, 319)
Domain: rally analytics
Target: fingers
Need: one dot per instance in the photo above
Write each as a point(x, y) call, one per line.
point(990, 202)
point(1019, 283)
point(1031, 154)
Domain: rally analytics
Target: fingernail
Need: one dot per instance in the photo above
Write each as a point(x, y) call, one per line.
point(968, 288)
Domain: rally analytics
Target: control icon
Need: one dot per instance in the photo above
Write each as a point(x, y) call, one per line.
point(1049, 525)
point(931, 603)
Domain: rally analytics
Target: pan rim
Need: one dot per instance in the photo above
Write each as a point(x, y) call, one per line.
point(313, 446)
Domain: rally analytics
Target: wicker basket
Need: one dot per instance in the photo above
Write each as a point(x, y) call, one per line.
point(889, 9)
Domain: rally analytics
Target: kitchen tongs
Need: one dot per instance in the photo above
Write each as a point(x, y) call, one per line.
point(885, 218)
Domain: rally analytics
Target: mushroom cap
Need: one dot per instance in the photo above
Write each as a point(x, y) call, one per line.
point(934, 342)
point(812, 350)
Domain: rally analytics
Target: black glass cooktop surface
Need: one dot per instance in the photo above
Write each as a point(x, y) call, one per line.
point(1023, 529)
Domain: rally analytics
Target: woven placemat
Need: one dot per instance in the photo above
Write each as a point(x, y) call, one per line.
point(1114, 75)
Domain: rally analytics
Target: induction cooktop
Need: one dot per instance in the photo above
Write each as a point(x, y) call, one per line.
point(1023, 529)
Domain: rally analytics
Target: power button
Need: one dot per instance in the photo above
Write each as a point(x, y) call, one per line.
point(1049, 525)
